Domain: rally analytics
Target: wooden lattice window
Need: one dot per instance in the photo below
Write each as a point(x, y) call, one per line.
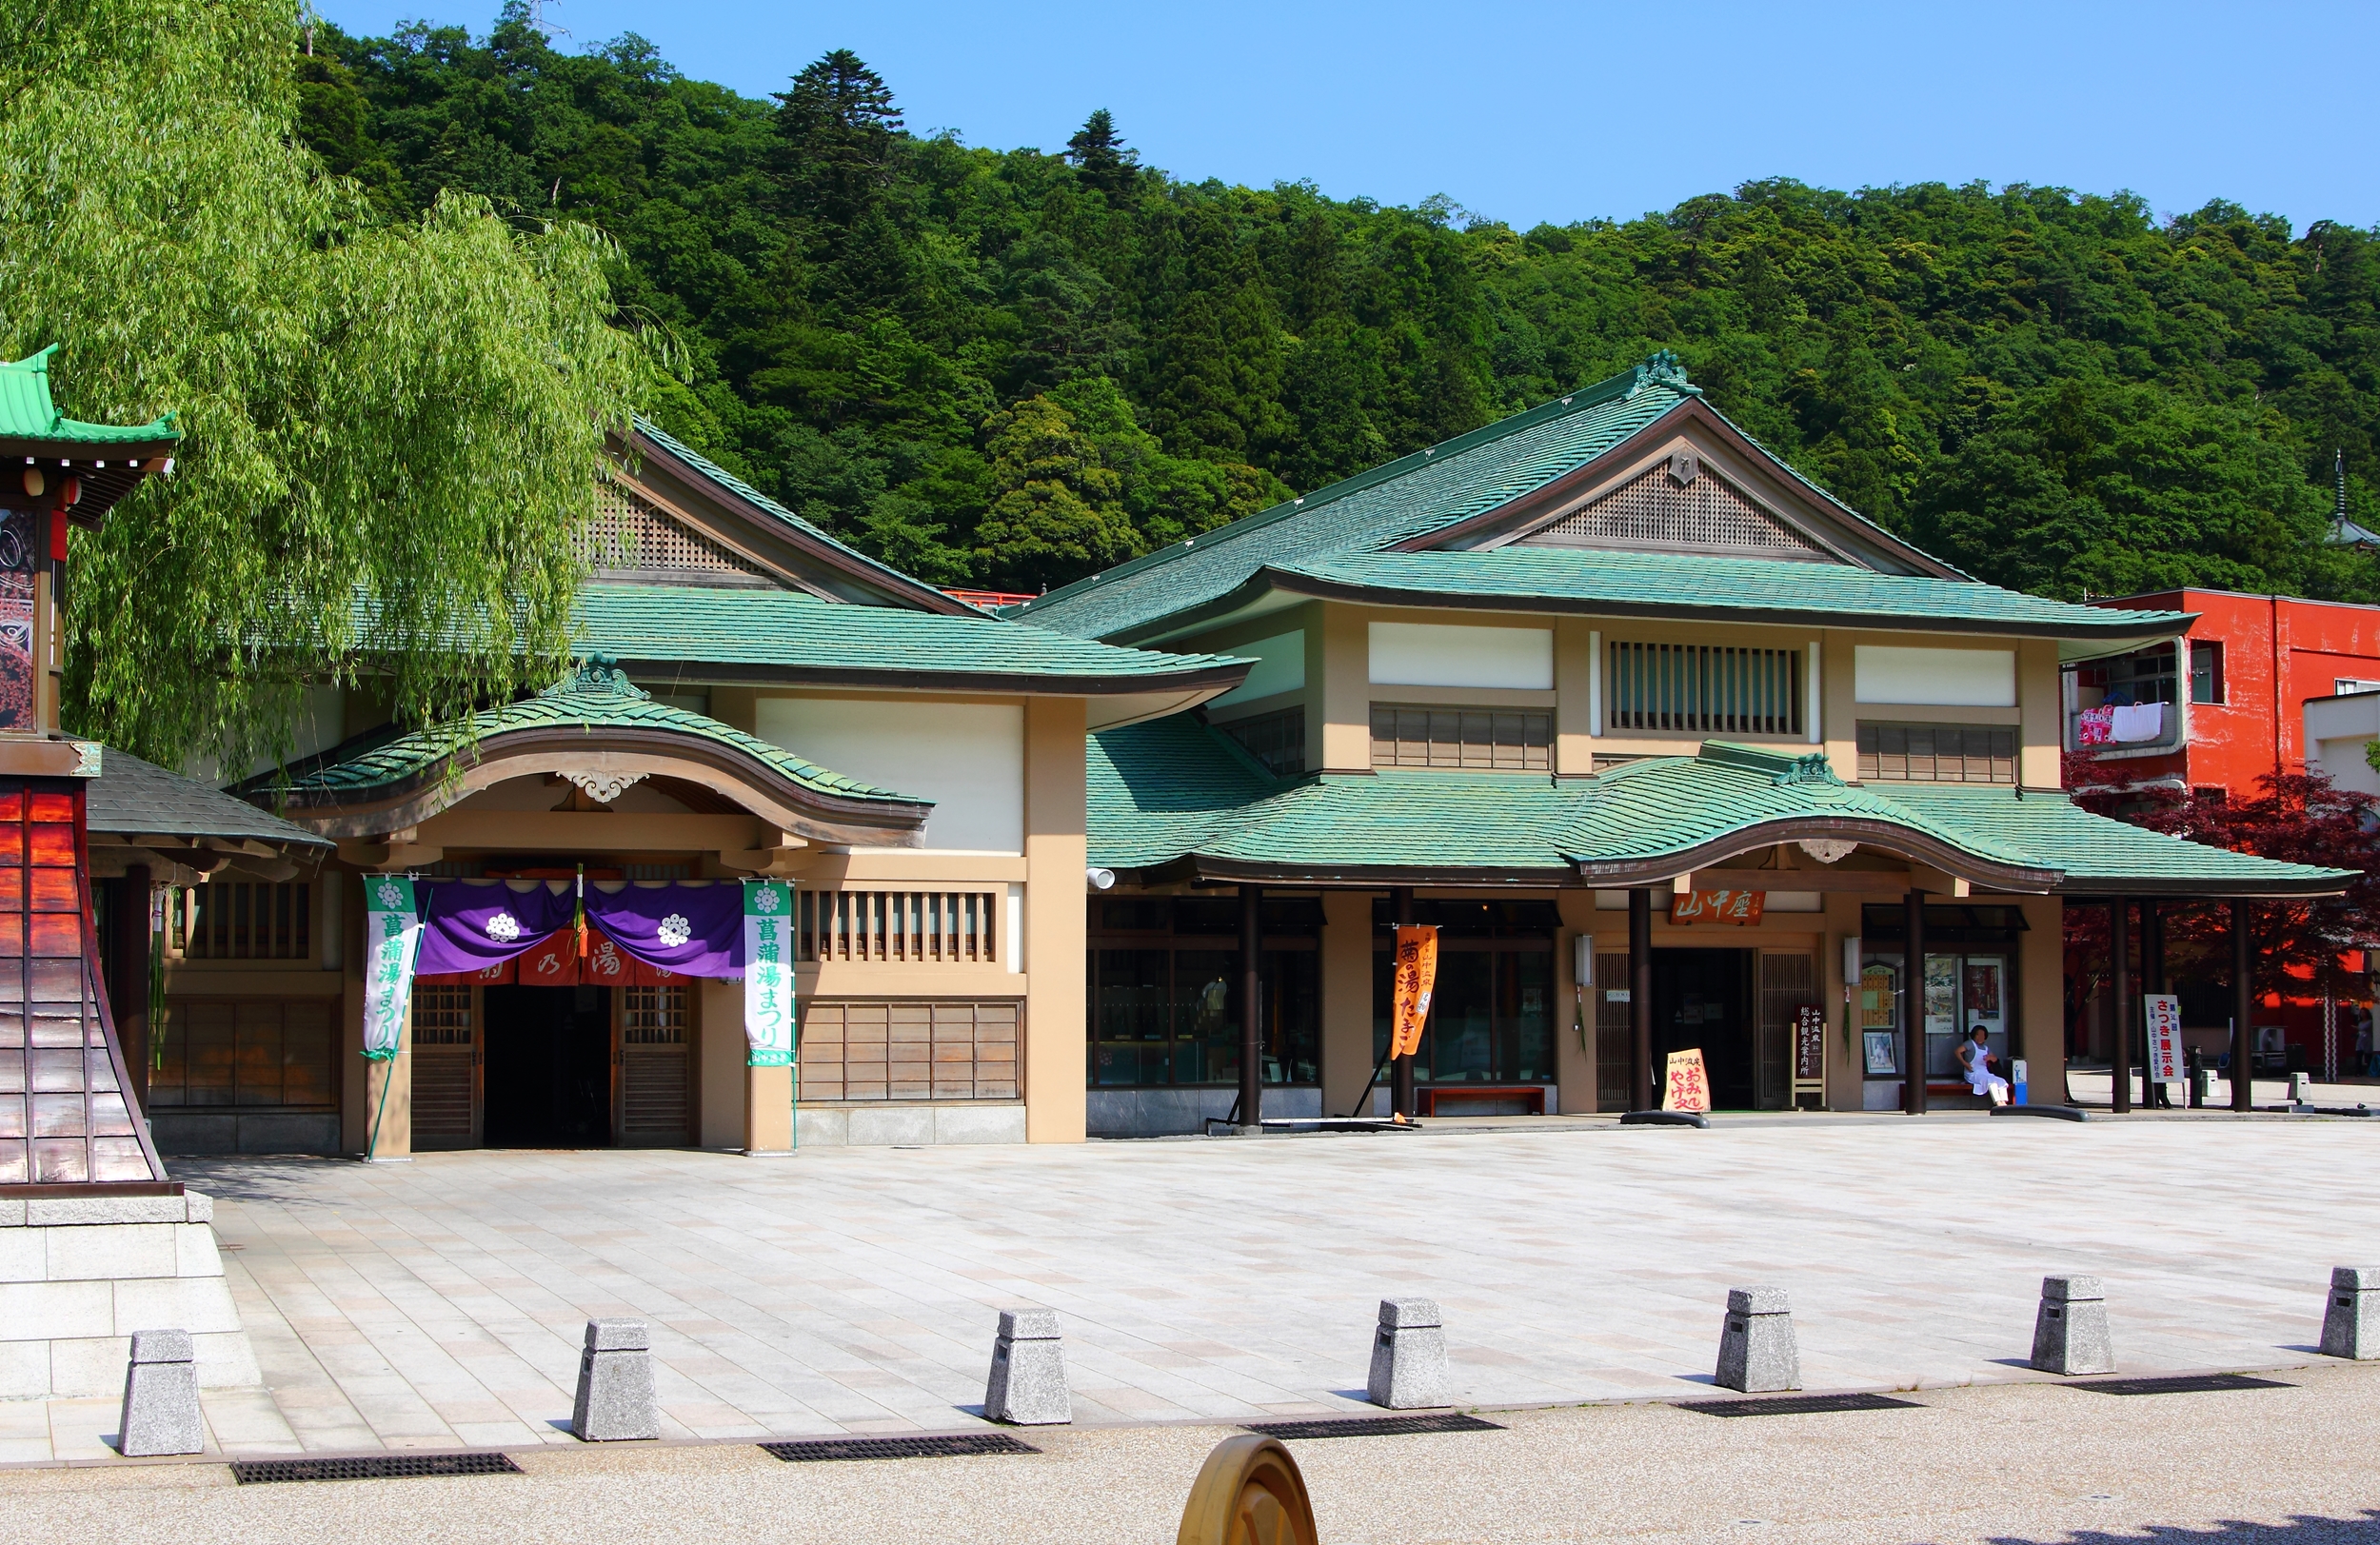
point(1704, 688)
point(1938, 753)
point(654, 1017)
point(1679, 503)
point(442, 1015)
point(239, 920)
point(628, 535)
point(1486, 740)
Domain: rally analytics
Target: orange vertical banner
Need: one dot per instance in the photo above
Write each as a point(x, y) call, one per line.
point(1416, 973)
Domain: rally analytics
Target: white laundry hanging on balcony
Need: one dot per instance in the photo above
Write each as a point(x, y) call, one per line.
point(2137, 722)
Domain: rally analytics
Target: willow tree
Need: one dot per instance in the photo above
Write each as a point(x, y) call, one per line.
point(391, 430)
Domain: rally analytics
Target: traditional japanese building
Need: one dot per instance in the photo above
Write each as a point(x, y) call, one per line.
point(753, 699)
point(1676, 749)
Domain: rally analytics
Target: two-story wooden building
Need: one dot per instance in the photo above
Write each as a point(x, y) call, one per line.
point(1673, 748)
point(754, 699)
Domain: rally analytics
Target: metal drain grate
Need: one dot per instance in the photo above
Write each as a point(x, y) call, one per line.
point(1373, 1426)
point(2180, 1384)
point(944, 1446)
point(1798, 1405)
point(372, 1467)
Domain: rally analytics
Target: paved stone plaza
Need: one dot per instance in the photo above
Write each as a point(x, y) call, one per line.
point(441, 1303)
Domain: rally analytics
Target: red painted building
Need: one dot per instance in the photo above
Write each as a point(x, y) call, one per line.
point(2211, 713)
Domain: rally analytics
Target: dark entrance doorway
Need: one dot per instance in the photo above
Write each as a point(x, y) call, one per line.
point(1704, 998)
point(546, 1081)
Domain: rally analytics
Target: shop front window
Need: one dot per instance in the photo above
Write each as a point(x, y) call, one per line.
point(1165, 1002)
point(1966, 983)
point(1490, 1018)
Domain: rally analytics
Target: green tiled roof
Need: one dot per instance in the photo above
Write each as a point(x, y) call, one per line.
point(1175, 789)
point(26, 412)
point(802, 632)
point(597, 697)
point(1408, 497)
point(1681, 585)
point(2097, 854)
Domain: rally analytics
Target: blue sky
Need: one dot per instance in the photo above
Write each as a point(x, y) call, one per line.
point(1554, 112)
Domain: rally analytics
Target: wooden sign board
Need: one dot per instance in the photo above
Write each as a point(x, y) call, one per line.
point(1688, 1089)
point(1740, 907)
point(1809, 1043)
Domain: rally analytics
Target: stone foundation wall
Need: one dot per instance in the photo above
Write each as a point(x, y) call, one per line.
point(878, 1123)
point(78, 1275)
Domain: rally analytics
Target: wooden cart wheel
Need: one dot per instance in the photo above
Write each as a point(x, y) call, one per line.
point(1248, 1493)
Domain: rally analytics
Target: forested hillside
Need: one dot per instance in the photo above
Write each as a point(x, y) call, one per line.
point(1011, 367)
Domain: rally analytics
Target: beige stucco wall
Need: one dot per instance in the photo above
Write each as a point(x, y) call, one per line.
point(1339, 693)
point(1346, 972)
point(1574, 1057)
point(1056, 1054)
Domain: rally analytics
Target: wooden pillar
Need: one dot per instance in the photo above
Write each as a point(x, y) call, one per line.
point(128, 980)
point(1400, 1076)
point(2243, 1010)
point(2120, 1010)
point(1914, 1004)
point(1641, 1093)
point(1251, 1008)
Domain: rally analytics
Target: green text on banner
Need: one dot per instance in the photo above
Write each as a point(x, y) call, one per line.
point(393, 937)
point(769, 972)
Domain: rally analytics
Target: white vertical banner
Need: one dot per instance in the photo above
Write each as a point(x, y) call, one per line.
point(393, 938)
point(768, 973)
point(2164, 1012)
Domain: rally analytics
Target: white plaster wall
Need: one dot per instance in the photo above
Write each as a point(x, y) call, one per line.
point(1435, 654)
point(1280, 666)
point(968, 758)
point(1934, 677)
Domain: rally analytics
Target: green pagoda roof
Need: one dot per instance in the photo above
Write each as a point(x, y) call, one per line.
point(1178, 799)
point(27, 414)
point(597, 698)
point(1368, 538)
point(795, 637)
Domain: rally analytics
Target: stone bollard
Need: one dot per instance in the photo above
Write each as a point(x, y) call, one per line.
point(2301, 1088)
point(616, 1383)
point(1028, 1383)
point(1757, 1354)
point(1409, 1356)
point(2351, 1318)
point(160, 1398)
point(2070, 1333)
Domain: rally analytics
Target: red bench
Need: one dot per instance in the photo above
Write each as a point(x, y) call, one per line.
point(1430, 1096)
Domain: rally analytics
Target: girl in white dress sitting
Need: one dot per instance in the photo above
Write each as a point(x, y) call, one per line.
point(1975, 1057)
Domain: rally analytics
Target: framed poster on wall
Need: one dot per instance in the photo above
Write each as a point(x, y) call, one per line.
point(1882, 1055)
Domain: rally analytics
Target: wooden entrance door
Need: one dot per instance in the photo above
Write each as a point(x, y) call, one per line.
point(446, 1106)
point(653, 1103)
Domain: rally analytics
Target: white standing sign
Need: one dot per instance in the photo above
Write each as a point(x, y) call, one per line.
point(768, 973)
point(2165, 1036)
point(393, 938)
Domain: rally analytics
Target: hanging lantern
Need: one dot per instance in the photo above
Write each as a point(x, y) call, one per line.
point(34, 482)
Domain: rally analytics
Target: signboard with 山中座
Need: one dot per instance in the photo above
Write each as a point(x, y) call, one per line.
point(1740, 907)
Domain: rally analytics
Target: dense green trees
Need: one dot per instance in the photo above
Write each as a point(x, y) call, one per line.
point(1013, 367)
point(391, 428)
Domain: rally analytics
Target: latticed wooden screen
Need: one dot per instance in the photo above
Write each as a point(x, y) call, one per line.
point(64, 1116)
point(1615, 1037)
point(656, 1105)
point(239, 920)
point(1511, 739)
point(1655, 510)
point(629, 535)
point(922, 928)
point(934, 1050)
point(1703, 688)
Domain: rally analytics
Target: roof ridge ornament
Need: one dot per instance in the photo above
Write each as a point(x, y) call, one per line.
point(1664, 368)
point(1812, 768)
point(597, 672)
